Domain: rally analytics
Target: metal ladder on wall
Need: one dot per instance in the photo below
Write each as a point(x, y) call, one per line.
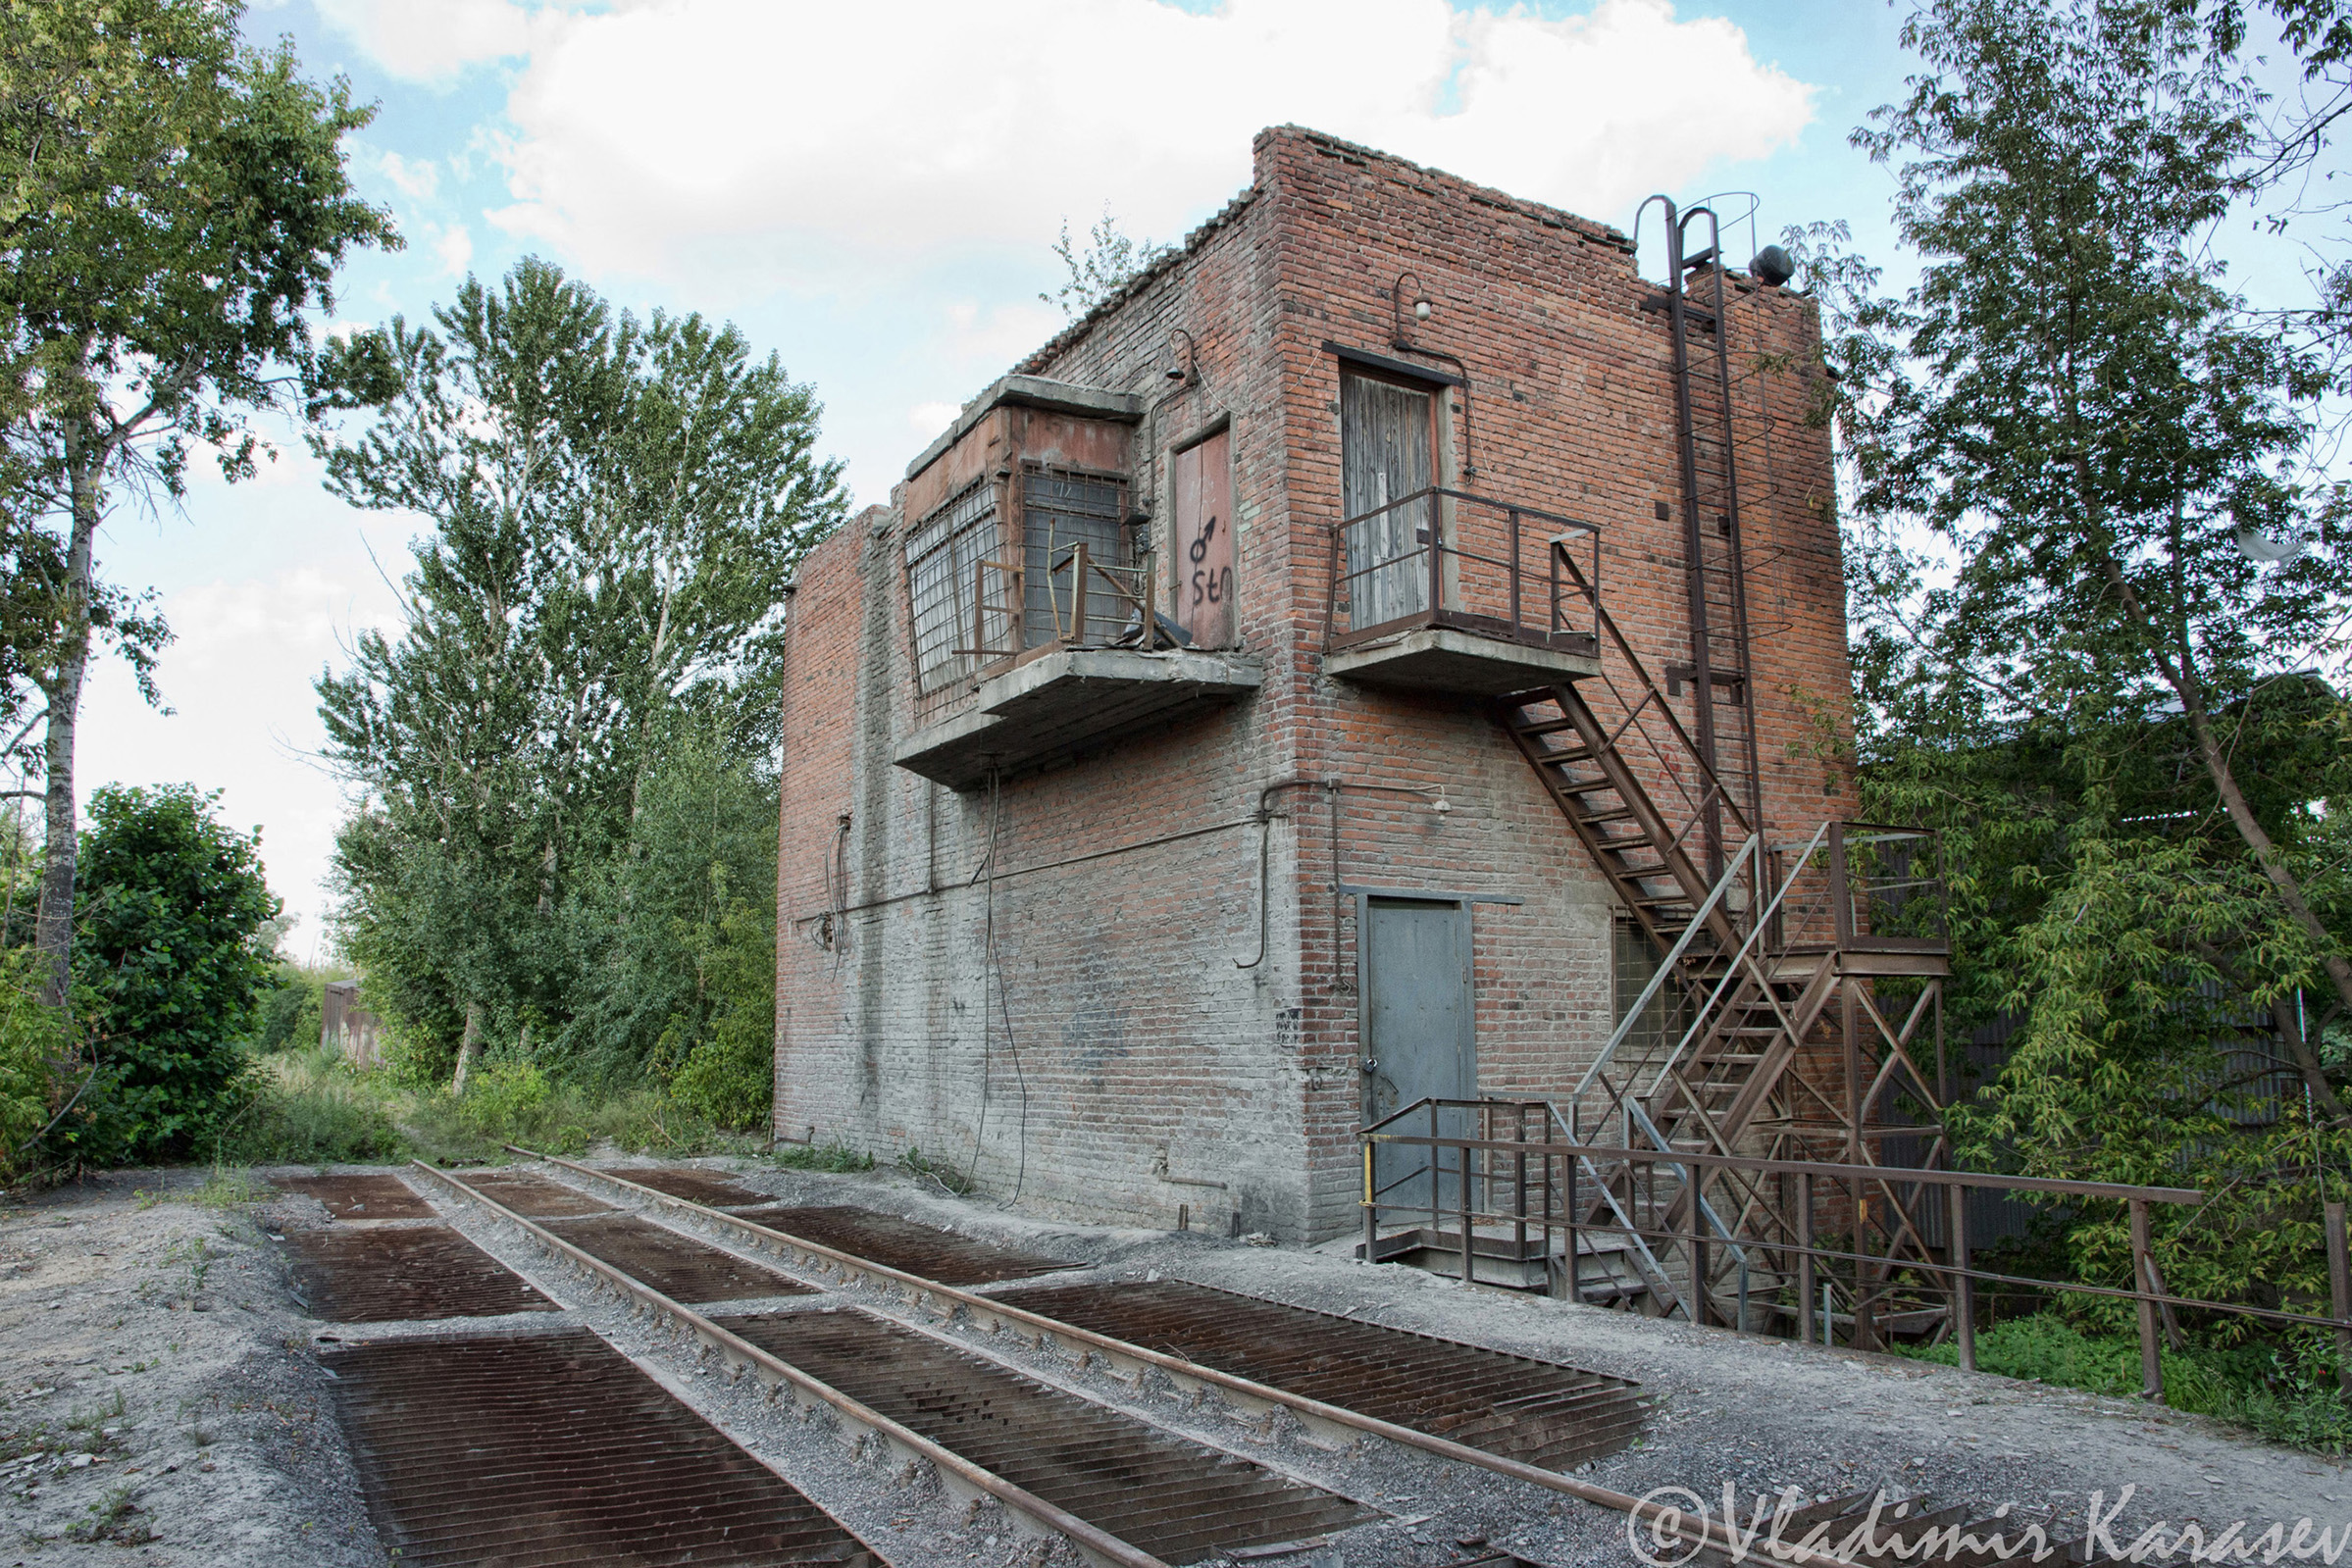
point(1715, 568)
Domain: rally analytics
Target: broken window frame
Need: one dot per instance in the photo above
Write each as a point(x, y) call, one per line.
point(1114, 588)
point(947, 613)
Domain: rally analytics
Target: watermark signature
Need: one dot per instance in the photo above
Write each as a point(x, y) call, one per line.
point(1674, 1524)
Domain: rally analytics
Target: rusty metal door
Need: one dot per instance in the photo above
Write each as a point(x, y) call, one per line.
point(1385, 454)
point(1202, 548)
point(1419, 1035)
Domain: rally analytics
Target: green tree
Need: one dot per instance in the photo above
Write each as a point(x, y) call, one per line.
point(37, 1046)
point(2097, 569)
point(173, 206)
point(2094, 427)
point(676, 936)
point(177, 920)
point(617, 507)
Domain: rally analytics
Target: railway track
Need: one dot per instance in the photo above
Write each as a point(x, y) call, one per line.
point(1366, 1359)
point(1115, 1486)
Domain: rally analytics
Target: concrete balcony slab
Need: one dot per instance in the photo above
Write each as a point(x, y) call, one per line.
point(1440, 658)
point(1061, 705)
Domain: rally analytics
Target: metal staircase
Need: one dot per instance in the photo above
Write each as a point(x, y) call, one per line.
point(1760, 1032)
point(1794, 980)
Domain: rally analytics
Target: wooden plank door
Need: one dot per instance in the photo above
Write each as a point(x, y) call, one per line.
point(1202, 545)
point(1385, 454)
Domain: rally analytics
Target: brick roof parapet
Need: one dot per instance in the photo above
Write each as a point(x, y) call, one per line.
point(1333, 146)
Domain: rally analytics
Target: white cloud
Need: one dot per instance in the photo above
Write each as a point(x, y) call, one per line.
point(738, 138)
point(430, 40)
point(927, 420)
point(1002, 333)
point(237, 677)
point(455, 248)
point(417, 178)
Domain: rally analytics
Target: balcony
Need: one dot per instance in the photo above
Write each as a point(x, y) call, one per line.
point(1071, 660)
point(1446, 592)
point(1875, 895)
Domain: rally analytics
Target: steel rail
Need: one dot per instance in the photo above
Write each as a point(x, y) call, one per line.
point(1827, 1169)
point(778, 1375)
point(1327, 1420)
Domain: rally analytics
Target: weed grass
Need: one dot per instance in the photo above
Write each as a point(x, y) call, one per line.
point(2286, 1393)
point(938, 1173)
point(836, 1158)
point(114, 1518)
point(312, 1111)
point(229, 1189)
point(315, 1109)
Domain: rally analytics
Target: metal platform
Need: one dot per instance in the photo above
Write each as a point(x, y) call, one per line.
point(696, 1187)
point(359, 1197)
point(533, 1196)
point(896, 1243)
point(377, 1274)
point(1178, 1501)
point(679, 1267)
point(548, 1449)
point(1537, 1412)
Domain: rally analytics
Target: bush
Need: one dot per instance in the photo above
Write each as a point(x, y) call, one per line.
point(174, 918)
point(294, 1011)
point(503, 1101)
point(311, 1110)
point(2285, 1392)
point(516, 1102)
point(34, 1043)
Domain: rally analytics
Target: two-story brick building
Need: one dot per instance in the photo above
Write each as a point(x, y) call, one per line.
point(1170, 782)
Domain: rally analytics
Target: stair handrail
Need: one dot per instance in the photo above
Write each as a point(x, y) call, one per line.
point(1641, 671)
point(1656, 1275)
point(1738, 958)
point(1666, 1146)
point(1625, 1024)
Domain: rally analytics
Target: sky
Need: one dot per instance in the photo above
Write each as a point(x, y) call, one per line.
point(841, 182)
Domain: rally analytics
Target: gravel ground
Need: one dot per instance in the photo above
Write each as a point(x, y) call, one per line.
point(155, 1335)
point(1759, 1413)
point(159, 1402)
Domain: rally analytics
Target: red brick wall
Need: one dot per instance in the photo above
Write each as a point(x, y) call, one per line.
point(1144, 1053)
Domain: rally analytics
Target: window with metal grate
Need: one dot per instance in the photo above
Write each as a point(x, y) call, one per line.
point(950, 599)
point(1062, 509)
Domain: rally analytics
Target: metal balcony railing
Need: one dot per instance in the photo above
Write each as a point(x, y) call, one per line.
point(1082, 603)
point(1861, 887)
point(1443, 557)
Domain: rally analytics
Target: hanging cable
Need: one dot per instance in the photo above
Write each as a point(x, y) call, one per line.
point(992, 964)
point(836, 893)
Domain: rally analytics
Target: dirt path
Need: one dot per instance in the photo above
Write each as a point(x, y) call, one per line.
point(159, 1402)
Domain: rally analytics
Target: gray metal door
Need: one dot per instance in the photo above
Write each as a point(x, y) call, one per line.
point(1419, 1032)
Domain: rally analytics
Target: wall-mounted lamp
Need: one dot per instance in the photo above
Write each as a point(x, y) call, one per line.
point(1422, 308)
point(1184, 368)
point(1402, 343)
